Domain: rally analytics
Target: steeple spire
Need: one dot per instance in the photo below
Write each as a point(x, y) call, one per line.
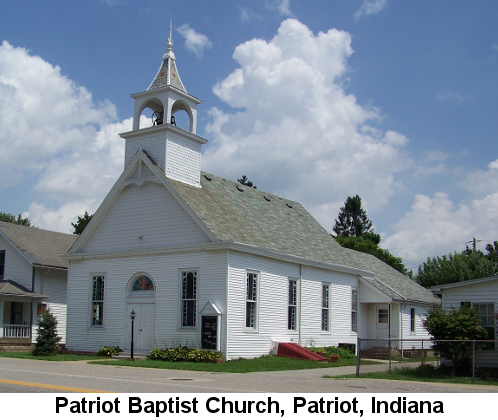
point(168, 73)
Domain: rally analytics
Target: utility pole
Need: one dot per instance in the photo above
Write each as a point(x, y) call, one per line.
point(474, 241)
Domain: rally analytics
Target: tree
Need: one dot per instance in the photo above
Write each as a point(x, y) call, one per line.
point(353, 221)
point(47, 339)
point(458, 324)
point(492, 252)
point(80, 225)
point(364, 244)
point(10, 218)
point(354, 230)
point(245, 181)
point(455, 267)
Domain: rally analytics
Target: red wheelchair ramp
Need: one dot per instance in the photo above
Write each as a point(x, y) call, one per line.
point(298, 352)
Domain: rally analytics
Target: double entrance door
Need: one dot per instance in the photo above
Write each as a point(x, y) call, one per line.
point(143, 326)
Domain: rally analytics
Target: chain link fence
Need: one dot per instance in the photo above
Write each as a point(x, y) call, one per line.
point(380, 355)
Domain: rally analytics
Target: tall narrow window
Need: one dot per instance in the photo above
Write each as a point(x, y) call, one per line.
point(354, 310)
point(325, 307)
point(2, 263)
point(189, 298)
point(251, 300)
point(98, 301)
point(412, 320)
point(292, 311)
point(487, 316)
point(16, 313)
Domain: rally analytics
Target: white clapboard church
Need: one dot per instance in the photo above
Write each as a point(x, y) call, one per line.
point(208, 262)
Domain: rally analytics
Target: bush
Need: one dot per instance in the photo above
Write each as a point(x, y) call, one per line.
point(184, 354)
point(47, 340)
point(336, 351)
point(457, 324)
point(108, 351)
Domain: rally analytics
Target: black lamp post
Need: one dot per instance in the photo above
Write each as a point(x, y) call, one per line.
point(132, 316)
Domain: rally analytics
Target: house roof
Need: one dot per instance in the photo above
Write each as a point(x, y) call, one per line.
point(40, 247)
point(235, 212)
point(463, 283)
point(11, 288)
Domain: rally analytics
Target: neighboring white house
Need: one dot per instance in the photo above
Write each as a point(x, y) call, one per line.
point(209, 262)
point(483, 295)
point(32, 278)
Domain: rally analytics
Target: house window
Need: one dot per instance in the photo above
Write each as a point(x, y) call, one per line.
point(412, 320)
point(16, 313)
point(189, 298)
point(325, 307)
point(98, 301)
point(354, 310)
point(292, 310)
point(41, 309)
point(2, 264)
point(251, 300)
point(487, 316)
point(383, 316)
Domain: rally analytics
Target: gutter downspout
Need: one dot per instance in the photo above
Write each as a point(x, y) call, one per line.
point(300, 300)
point(402, 310)
point(32, 311)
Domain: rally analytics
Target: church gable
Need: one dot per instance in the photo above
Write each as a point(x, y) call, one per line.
point(143, 217)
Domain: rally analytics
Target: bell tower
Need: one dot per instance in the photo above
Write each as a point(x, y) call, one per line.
point(175, 150)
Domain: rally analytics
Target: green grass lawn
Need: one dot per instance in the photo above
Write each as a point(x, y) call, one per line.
point(56, 358)
point(425, 373)
point(261, 364)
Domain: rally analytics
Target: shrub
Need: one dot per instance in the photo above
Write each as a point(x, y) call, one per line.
point(184, 354)
point(47, 340)
point(108, 351)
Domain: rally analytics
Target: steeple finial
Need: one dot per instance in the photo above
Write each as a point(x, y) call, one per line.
point(170, 39)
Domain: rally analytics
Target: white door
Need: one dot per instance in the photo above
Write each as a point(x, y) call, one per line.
point(143, 326)
point(382, 322)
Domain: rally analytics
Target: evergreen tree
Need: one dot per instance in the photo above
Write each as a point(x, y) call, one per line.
point(245, 181)
point(353, 221)
point(80, 225)
point(10, 218)
point(47, 339)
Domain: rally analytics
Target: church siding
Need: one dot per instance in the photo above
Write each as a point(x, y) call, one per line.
point(145, 217)
point(164, 271)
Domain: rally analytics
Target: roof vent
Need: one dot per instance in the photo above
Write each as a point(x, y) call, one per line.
point(240, 189)
point(267, 199)
point(288, 205)
point(205, 176)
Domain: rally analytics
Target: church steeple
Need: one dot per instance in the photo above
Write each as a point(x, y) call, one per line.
point(175, 150)
point(168, 73)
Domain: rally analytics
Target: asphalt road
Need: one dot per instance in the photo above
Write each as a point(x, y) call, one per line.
point(18, 375)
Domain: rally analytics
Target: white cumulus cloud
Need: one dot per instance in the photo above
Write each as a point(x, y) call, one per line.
point(194, 41)
point(52, 132)
point(297, 133)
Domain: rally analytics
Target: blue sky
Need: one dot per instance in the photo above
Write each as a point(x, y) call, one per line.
point(313, 100)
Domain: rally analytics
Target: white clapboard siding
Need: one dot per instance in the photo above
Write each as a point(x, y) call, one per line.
point(420, 332)
point(53, 283)
point(17, 267)
point(486, 292)
point(273, 306)
point(142, 217)
point(164, 270)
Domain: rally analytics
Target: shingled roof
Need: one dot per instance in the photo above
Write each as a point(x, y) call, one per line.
point(235, 212)
point(41, 247)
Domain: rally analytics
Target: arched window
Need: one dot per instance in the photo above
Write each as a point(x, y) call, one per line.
point(141, 284)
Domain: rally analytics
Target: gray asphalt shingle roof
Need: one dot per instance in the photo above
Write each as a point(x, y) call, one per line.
point(261, 219)
point(41, 247)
